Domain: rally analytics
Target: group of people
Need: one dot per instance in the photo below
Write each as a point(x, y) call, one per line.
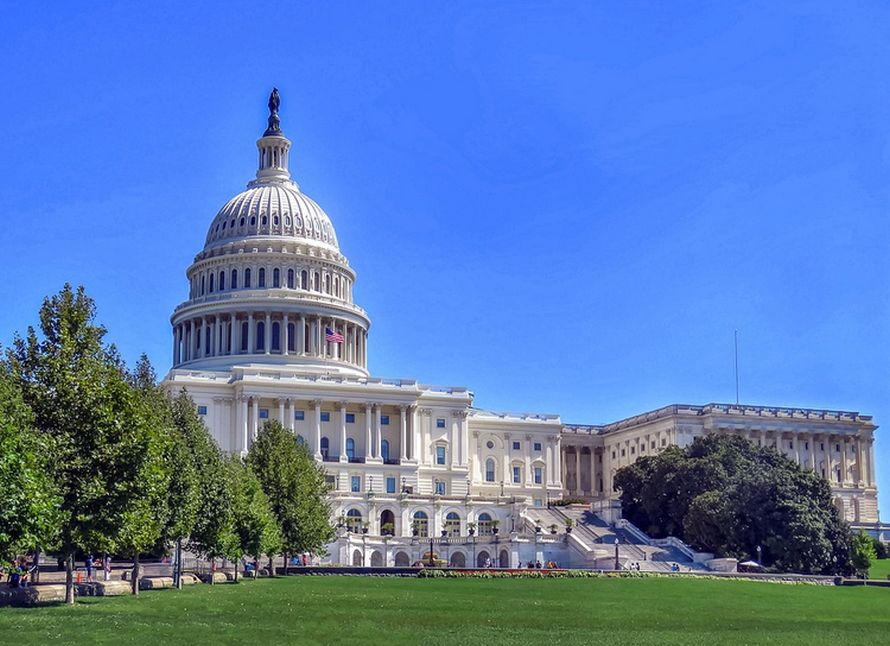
point(536, 565)
point(21, 573)
point(90, 565)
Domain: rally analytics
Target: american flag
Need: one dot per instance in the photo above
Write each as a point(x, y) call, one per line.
point(333, 336)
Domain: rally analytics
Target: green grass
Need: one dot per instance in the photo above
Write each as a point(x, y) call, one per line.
point(879, 569)
point(370, 611)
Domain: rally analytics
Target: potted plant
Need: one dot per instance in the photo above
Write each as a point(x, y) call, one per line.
point(494, 526)
point(387, 529)
point(553, 527)
point(569, 525)
point(471, 528)
point(365, 525)
point(444, 533)
point(415, 528)
point(537, 526)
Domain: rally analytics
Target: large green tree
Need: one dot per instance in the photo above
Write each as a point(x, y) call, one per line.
point(105, 462)
point(724, 495)
point(295, 485)
point(28, 516)
point(256, 529)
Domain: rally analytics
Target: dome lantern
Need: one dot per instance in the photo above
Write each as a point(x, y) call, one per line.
point(274, 147)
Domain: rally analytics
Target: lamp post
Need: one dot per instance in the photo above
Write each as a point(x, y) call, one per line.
point(502, 488)
point(616, 553)
point(758, 556)
point(432, 562)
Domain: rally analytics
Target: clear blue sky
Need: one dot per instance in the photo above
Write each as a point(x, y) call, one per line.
point(568, 207)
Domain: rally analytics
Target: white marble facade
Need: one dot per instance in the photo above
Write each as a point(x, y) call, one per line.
point(270, 331)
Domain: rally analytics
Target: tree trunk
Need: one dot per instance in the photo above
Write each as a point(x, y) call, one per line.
point(177, 568)
point(69, 578)
point(35, 578)
point(212, 570)
point(134, 584)
point(236, 570)
point(285, 564)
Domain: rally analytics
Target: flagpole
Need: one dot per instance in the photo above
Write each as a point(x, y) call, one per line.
point(736, 339)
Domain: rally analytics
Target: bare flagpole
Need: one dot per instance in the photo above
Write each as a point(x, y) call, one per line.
point(736, 338)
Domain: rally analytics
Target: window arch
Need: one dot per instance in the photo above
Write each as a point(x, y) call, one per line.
point(290, 278)
point(202, 285)
point(260, 336)
point(489, 470)
point(211, 283)
point(247, 277)
point(244, 336)
point(485, 524)
point(421, 524)
point(276, 337)
point(452, 523)
point(276, 277)
point(261, 278)
point(291, 331)
point(222, 280)
point(317, 283)
point(304, 279)
point(327, 284)
point(233, 284)
point(325, 448)
point(350, 449)
point(384, 450)
point(354, 520)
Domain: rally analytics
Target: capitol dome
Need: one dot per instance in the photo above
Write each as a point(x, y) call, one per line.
point(270, 286)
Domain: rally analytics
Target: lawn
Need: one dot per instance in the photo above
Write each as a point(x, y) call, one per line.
point(364, 610)
point(879, 569)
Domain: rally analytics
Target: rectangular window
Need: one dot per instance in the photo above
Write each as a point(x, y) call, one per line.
point(350, 418)
point(390, 485)
point(537, 446)
point(356, 484)
point(537, 475)
point(517, 475)
point(837, 447)
point(440, 422)
point(384, 420)
point(331, 481)
point(599, 458)
point(790, 445)
point(202, 410)
point(325, 417)
point(440, 455)
point(440, 488)
point(633, 450)
point(623, 452)
point(822, 448)
point(613, 455)
point(652, 445)
point(264, 413)
point(516, 446)
point(299, 415)
point(538, 502)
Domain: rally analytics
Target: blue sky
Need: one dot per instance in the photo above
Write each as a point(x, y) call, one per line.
point(568, 207)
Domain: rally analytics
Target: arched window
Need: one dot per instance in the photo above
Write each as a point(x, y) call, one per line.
point(327, 284)
point(276, 337)
point(336, 287)
point(244, 336)
point(261, 280)
point(350, 449)
point(260, 336)
point(198, 339)
point(489, 470)
point(304, 277)
point(485, 524)
point(421, 524)
point(276, 277)
point(291, 331)
point(290, 278)
point(202, 285)
point(222, 280)
point(452, 524)
point(384, 450)
point(247, 277)
point(317, 283)
point(211, 283)
point(354, 520)
point(234, 281)
point(325, 448)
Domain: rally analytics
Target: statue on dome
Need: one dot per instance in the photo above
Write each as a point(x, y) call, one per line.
point(274, 121)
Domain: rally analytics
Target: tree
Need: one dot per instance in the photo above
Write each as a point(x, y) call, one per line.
point(296, 487)
point(28, 493)
point(724, 495)
point(863, 553)
point(104, 456)
point(256, 529)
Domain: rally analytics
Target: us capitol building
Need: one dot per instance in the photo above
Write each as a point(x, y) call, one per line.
point(270, 330)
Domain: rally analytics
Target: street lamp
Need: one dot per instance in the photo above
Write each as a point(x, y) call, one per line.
point(502, 488)
point(616, 553)
point(758, 556)
point(432, 562)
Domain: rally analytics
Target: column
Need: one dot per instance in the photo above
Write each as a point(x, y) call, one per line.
point(453, 440)
point(403, 439)
point(369, 441)
point(218, 337)
point(577, 470)
point(528, 459)
point(343, 457)
point(316, 429)
point(190, 342)
point(254, 418)
point(251, 346)
point(378, 433)
point(797, 441)
point(290, 415)
point(870, 460)
point(267, 335)
point(412, 434)
point(236, 335)
point(812, 439)
point(607, 471)
point(844, 477)
point(281, 417)
point(242, 421)
point(286, 336)
point(860, 462)
point(175, 348)
point(593, 470)
point(301, 337)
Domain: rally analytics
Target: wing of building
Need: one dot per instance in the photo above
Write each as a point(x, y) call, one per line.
point(270, 330)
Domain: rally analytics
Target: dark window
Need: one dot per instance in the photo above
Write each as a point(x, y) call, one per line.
point(325, 416)
point(261, 281)
point(244, 336)
point(384, 450)
point(390, 485)
point(260, 336)
point(299, 415)
point(384, 420)
point(276, 337)
point(325, 448)
point(440, 455)
point(276, 278)
point(264, 413)
point(516, 446)
point(222, 280)
point(440, 423)
point(303, 280)
point(537, 446)
point(290, 278)
point(350, 448)
point(202, 410)
point(356, 487)
point(247, 277)
point(350, 418)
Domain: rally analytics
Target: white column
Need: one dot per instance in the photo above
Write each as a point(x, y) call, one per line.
point(369, 440)
point(251, 345)
point(860, 462)
point(267, 340)
point(403, 438)
point(528, 459)
point(301, 338)
point(870, 460)
point(236, 335)
point(412, 434)
point(453, 441)
point(254, 417)
point(217, 336)
point(290, 415)
point(844, 476)
point(829, 460)
point(378, 432)
point(343, 457)
point(242, 421)
point(577, 469)
point(281, 412)
point(812, 440)
point(316, 429)
point(285, 335)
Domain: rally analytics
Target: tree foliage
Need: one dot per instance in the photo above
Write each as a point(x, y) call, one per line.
point(724, 495)
point(296, 488)
point(255, 527)
point(863, 553)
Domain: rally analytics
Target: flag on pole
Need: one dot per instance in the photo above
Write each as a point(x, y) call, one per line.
point(332, 336)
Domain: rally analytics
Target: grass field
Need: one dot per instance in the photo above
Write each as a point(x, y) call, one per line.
point(879, 569)
point(364, 610)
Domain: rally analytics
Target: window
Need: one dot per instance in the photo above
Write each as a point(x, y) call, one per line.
point(822, 446)
point(517, 475)
point(264, 413)
point(290, 278)
point(356, 485)
point(211, 283)
point(350, 448)
point(633, 450)
point(623, 452)
point(303, 280)
point(421, 524)
point(452, 523)
point(652, 445)
point(390, 485)
point(325, 416)
point(261, 281)
point(260, 336)
point(613, 455)
point(806, 446)
point(489, 444)
point(202, 285)
point(440, 422)
point(276, 277)
point(489, 470)
point(790, 445)
point(440, 455)
point(299, 415)
point(276, 336)
point(331, 481)
point(202, 410)
point(234, 284)
point(538, 503)
point(244, 336)
point(384, 420)
point(663, 441)
point(247, 277)
point(537, 446)
point(440, 488)
point(485, 525)
point(350, 418)
point(538, 475)
point(516, 446)
point(222, 280)
point(384, 450)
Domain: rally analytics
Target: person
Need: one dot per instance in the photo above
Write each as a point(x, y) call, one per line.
point(89, 567)
point(106, 567)
point(537, 565)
